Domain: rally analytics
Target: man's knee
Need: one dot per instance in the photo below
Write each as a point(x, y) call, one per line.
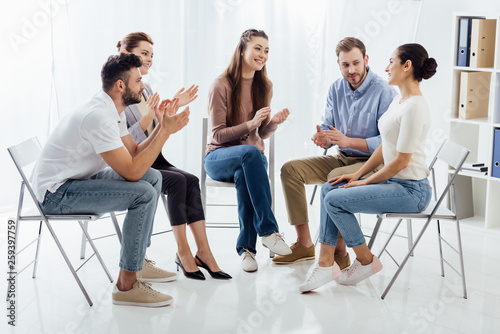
point(289, 171)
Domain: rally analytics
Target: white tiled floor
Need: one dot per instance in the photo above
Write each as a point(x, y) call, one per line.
point(268, 301)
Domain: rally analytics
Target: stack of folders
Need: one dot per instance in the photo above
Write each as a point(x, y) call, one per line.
point(475, 167)
point(476, 42)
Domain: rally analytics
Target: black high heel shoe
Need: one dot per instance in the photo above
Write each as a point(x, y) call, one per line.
point(194, 275)
point(217, 275)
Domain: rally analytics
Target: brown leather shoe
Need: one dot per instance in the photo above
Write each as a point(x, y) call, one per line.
point(343, 262)
point(299, 253)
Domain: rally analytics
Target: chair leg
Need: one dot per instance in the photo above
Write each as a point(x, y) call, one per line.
point(316, 238)
point(117, 227)
point(68, 263)
point(314, 194)
point(375, 232)
point(94, 248)
point(84, 241)
point(406, 259)
point(440, 248)
point(35, 265)
point(390, 237)
point(409, 234)
point(462, 267)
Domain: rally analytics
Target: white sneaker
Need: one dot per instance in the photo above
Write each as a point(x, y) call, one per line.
point(357, 272)
point(276, 244)
point(248, 262)
point(320, 276)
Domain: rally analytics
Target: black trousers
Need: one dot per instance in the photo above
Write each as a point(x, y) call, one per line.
point(183, 193)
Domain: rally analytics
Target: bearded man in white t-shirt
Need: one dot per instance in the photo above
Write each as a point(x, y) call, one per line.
point(72, 174)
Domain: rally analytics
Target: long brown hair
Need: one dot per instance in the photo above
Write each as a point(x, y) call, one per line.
point(260, 85)
point(131, 41)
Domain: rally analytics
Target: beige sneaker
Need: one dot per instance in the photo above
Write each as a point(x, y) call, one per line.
point(141, 294)
point(299, 253)
point(150, 273)
point(343, 262)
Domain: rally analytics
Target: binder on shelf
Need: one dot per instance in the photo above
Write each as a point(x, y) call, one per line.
point(464, 34)
point(495, 168)
point(482, 42)
point(474, 95)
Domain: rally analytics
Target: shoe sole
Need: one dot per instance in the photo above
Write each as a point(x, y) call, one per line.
point(158, 280)
point(159, 304)
point(298, 260)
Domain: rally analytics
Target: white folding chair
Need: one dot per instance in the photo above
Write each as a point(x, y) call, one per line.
point(24, 156)
point(207, 181)
point(454, 155)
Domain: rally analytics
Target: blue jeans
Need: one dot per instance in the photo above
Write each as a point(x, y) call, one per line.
point(246, 166)
point(339, 205)
point(107, 191)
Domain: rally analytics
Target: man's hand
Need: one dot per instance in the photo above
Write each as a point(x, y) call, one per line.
point(319, 138)
point(335, 137)
point(172, 124)
point(152, 106)
point(281, 116)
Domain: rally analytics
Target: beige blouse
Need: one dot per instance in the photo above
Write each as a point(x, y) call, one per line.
point(226, 135)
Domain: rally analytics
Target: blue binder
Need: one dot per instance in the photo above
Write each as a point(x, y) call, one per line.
point(464, 33)
point(495, 169)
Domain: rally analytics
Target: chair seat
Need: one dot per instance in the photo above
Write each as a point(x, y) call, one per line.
point(213, 183)
point(64, 217)
point(441, 213)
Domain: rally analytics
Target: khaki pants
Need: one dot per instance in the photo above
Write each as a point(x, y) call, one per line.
point(296, 174)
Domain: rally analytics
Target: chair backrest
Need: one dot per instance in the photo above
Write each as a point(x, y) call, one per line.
point(454, 155)
point(451, 153)
point(24, 155)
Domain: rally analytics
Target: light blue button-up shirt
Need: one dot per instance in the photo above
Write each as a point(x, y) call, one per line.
point(355, 113)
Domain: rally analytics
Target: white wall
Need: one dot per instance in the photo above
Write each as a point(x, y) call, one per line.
point(193, 42)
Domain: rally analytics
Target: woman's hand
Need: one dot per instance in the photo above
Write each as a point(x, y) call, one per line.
point(344, 178)
point(259, 117)
point(281, 116)
point(186, 96)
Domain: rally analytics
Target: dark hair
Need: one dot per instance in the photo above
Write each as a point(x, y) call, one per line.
point(423, 66)
point(117, 68)
point(131, 41)
point(349, 43)
point(260, 84)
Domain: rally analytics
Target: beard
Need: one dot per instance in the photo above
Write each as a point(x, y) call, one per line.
point(362, 76)
point(129, 97)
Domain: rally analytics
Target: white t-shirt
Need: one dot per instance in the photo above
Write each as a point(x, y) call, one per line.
point(403, 128)
point(73, 149)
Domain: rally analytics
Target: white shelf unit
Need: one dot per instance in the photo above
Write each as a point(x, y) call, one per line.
point(477, 135)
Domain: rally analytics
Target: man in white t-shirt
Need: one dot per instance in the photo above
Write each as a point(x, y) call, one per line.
point(71, 175)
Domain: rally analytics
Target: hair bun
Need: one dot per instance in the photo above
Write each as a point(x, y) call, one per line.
point(429, 68)
point(119, 46)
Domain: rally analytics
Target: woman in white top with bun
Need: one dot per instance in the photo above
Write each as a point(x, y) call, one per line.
point(400, 186)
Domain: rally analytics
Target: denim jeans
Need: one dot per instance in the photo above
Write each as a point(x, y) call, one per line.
point(339, 205)
point(246, 166)
point(107, 191)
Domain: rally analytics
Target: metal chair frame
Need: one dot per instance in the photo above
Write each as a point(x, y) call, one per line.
point(24, 155)
point(454, 155)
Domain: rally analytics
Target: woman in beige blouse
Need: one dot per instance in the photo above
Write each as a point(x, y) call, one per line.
point(239, 110)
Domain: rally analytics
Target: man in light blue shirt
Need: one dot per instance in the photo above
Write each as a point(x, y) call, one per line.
point(353, 107)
